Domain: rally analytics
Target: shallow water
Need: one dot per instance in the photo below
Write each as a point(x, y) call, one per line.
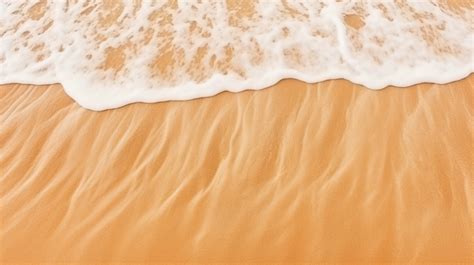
point(110, 53)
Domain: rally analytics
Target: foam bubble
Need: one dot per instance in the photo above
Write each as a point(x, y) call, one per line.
point(110, 53)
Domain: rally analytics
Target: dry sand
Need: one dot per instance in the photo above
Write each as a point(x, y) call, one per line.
point(329, 172)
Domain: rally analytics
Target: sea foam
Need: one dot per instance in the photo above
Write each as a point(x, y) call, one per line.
point(110, 53)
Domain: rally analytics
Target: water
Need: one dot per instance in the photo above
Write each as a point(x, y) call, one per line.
point(108, 54)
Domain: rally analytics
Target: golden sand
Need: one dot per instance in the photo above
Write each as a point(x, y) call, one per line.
point(329, 172)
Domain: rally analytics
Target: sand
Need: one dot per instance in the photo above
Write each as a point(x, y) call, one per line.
point(329, 172)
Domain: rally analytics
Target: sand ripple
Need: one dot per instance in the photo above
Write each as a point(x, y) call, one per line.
point(300, 173)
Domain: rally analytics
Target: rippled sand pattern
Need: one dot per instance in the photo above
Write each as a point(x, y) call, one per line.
point(329, 172)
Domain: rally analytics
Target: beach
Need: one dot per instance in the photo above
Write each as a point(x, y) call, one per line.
point(326, 166)
point(330, 172)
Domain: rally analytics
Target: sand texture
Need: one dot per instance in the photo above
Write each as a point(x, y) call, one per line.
point(330, 172)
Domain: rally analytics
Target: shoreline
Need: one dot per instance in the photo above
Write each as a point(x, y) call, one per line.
point(272, 86)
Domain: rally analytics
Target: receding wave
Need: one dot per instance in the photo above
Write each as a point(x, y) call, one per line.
point(110, 53)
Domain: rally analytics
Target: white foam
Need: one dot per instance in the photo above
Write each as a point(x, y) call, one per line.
point(240, 48)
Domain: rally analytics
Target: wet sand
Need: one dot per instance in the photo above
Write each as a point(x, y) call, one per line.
point(329, 172)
